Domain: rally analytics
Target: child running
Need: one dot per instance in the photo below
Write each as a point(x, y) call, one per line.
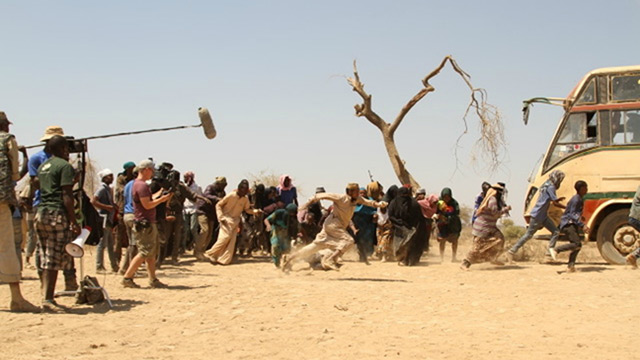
point(278, 224)
point(571, 223)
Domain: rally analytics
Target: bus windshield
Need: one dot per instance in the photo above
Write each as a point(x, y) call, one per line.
point(579, 132)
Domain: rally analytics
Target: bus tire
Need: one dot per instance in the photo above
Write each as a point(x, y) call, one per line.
point(615, 237)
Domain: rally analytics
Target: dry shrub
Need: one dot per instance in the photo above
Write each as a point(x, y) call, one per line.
point(533, 250)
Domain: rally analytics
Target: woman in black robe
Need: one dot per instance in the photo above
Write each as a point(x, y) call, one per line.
point(409, 228)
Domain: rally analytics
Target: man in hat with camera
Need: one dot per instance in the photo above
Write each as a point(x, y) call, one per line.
point(145, 229)
point(9, 174)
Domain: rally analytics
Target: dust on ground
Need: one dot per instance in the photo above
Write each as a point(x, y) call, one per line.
point(251, 310)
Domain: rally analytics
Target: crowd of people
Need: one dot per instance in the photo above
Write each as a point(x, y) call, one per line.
point(158, 216)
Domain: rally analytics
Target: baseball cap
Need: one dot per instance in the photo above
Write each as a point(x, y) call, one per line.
point(146, 164)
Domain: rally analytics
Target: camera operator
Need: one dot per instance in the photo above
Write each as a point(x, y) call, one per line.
point(174, 229)
point(160, 182)
point(145, 230)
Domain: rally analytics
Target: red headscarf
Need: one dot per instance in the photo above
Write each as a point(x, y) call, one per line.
point(282, 178)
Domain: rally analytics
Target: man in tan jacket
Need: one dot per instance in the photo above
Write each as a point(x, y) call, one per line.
point(229, 210)
point(334, 233)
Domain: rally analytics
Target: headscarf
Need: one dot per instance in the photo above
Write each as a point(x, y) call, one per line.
point(221, 180)
point(429, 205)
point(244, 182)
point(401, 209)
point(391, 194)
point(444, 192)
point(282, 179)
point(485, 187)
point(291, 207)
point(259, 196)
point(556, 178)
point(374, 190)
point(494, 191)
point(452, 206)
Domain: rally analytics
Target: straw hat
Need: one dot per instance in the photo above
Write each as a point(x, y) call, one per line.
point(52, 131)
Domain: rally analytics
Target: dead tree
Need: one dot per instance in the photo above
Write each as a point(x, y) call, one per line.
point(491, 141)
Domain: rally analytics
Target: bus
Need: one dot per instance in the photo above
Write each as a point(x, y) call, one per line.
point(598, 141)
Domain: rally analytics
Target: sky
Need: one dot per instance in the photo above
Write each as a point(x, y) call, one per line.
point(273, 75)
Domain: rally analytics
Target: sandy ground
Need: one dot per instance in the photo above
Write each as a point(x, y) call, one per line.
point(434, 311)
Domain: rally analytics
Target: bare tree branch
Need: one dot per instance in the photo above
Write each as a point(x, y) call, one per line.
point(405, 109)
point(491, 141)
point(417, 97)
point(364, 109)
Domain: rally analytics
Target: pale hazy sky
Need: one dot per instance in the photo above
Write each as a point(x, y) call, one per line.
point(272, 73)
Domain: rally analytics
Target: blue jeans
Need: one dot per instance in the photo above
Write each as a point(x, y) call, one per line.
point(191, 230)
point(106, 243)
point(534, 226)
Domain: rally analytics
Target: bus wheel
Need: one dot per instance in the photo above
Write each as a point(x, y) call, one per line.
point(616, 238)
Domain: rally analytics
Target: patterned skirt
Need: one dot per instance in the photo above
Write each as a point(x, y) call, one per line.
point(486, 248)
point(385, 241)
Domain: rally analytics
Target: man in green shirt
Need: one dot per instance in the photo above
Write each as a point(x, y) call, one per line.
point(55, 221)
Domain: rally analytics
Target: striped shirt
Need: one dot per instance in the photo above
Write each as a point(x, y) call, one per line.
point(485, 224)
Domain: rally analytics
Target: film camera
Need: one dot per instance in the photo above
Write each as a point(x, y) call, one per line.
point(76, 146)
point(165, 178)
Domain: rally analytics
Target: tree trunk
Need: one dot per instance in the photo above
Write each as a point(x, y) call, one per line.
point(397, 163)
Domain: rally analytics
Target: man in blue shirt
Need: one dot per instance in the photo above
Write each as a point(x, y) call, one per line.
point(571, 223)
point(128, 219)
point(35, 161)
point(539, 216)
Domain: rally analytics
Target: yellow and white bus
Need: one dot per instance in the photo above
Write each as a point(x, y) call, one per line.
point(598, 141)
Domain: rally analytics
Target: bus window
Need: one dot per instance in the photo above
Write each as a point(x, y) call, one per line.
point(625, 88)
point(625, 127)
point(589, 95)
point(578, 133)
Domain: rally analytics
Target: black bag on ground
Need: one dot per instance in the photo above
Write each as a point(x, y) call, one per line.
point(90, 292)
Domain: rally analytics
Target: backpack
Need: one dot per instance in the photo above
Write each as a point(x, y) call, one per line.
point(90, 291)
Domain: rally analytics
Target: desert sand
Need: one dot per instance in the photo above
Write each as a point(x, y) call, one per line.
point(250, 310)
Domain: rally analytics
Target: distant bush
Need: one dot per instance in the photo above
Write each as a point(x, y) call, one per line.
point(530, 251)
point(512, 231)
